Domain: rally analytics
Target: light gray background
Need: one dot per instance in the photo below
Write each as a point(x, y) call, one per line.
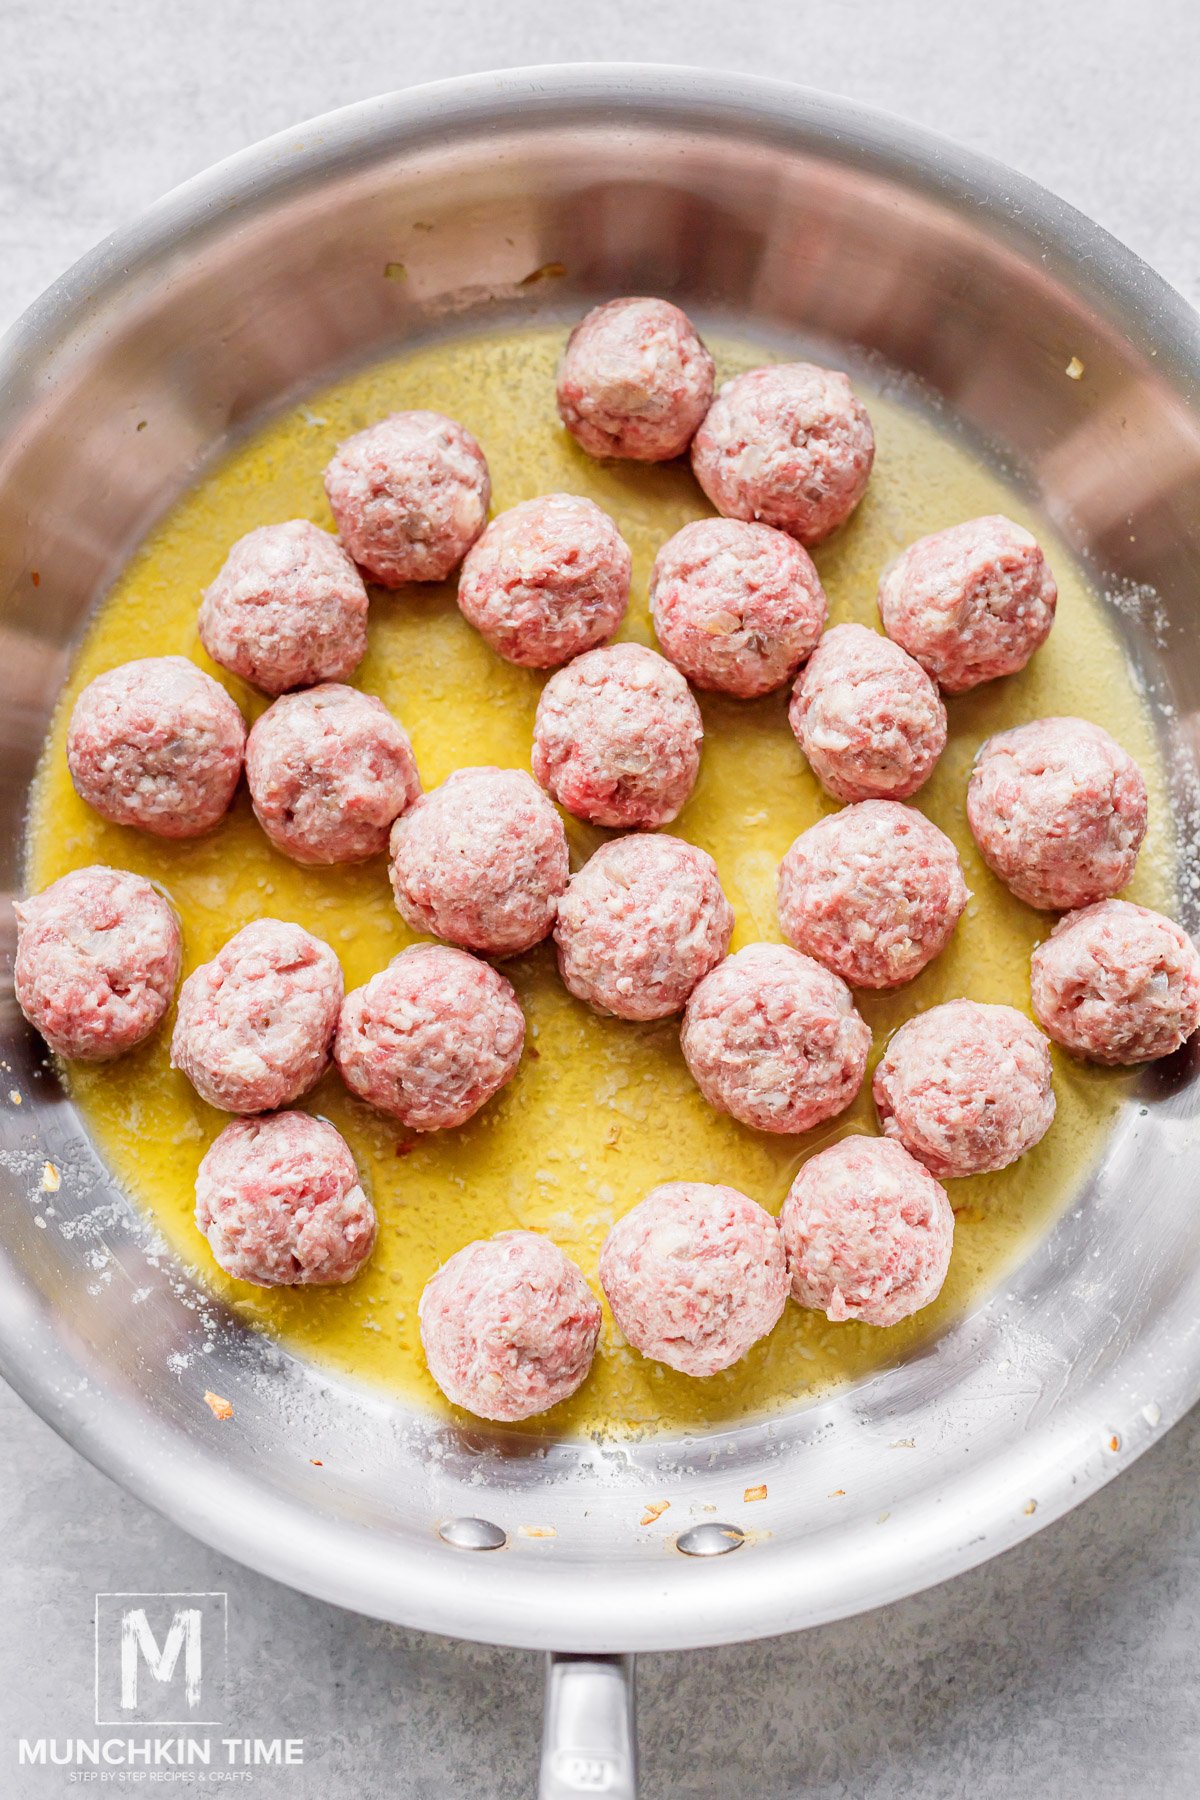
point(1071, 1666)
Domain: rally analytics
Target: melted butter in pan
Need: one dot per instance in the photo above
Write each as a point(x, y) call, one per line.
point(600, 1111)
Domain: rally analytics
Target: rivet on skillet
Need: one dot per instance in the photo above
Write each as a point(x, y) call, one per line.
point(472, 1534)
point(710, 1539)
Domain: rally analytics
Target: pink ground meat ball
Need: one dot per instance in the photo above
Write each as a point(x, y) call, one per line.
point(1059, 812)
point(617, 737)
point(873, 892)
point(867, 717)
point(640, 924)
point(547, 579)
point(481, 861)
point(1117, 983)
point(695, 1275)
point(254, 1027)
point(329, 772)
point(509, 1326)
point(971, 603)
point(157, 744)
point(280, 1202)
point(431, 1038)
point(868, 1232)
point(773, 1038)
point(410, 496)
point(966, 1088)
point(736, 606)
point(634, 381)
point(97, 961)
point(789, 445)
point(287, 610)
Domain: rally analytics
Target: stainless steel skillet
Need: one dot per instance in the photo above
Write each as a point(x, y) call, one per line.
point(788, 214)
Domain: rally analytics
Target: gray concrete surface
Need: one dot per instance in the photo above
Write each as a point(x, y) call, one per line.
point(1071, 1666)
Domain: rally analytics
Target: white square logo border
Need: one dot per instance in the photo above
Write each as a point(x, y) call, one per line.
point(213, 1689)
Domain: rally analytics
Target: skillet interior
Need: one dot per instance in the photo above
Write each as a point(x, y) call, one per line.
point(785, 212)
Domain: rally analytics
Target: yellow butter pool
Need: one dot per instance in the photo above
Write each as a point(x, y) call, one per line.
point(600, 1110)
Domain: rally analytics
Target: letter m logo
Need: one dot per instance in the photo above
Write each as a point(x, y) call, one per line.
point(160, 1659)
point(138, 1645)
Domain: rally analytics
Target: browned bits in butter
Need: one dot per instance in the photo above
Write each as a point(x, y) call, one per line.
point(551, 271)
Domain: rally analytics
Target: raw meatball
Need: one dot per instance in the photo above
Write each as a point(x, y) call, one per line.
point(509, 1326)
point(617, 737)
point(410, 496)
point(158, 744)
point(97, 961)
point(736, 606)
point(695, 1275)
point(873, 891)
point(1058, 811)
point(635, 381)
point(970, 603)
point(280, 1203)
point(288, 609)
point(254, 1026)
point(773, 1038)
point(481, 861)
point(966, 1088)
point(329, 771)
point(868, 1232)
point(547, 579)
point(431, 1038)
point(1117, 983)
point(867, 717)
point(790, 445)
point(640, 925)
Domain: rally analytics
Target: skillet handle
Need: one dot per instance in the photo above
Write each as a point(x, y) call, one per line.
point(589, 1738)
